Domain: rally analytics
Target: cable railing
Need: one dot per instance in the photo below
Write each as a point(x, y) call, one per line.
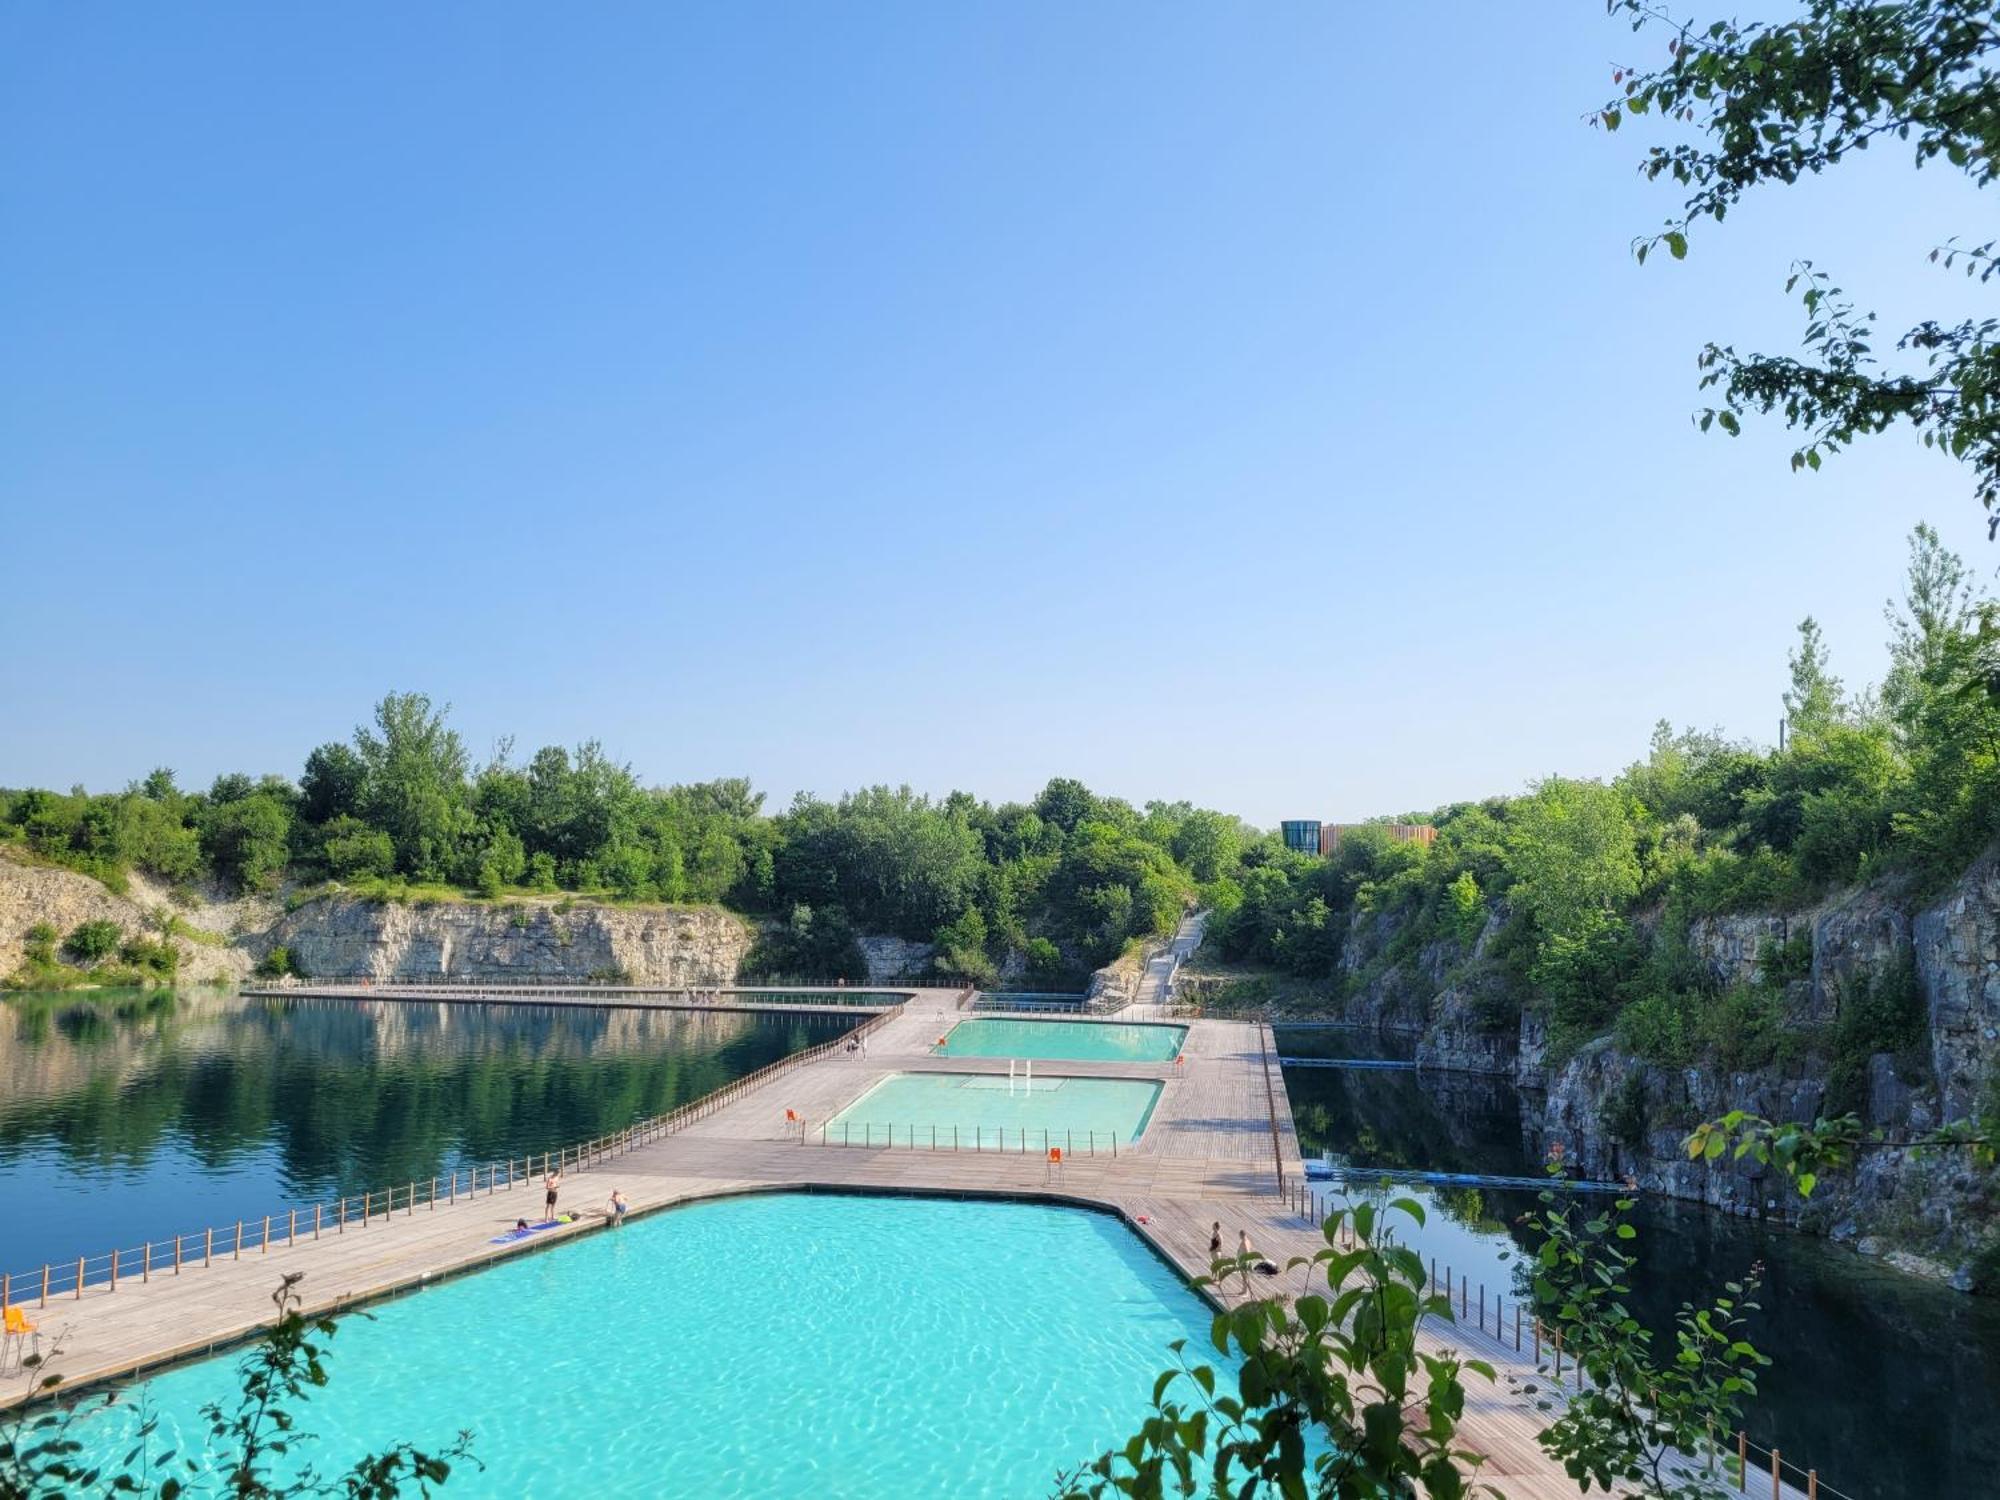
point(352, 1214)
point(1754, 1471)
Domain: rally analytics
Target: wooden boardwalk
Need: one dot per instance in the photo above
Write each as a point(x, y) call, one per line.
point(1218, 1146)
point(757, 1000)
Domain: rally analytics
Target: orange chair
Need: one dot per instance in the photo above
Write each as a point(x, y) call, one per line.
point(18, 1330)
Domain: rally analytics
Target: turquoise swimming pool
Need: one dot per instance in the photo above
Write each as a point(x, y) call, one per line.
point(789, 1345)
point(984, 1111)
point(1077, 1041)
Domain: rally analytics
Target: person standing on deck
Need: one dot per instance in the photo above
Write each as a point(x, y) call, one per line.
point(551, 1185)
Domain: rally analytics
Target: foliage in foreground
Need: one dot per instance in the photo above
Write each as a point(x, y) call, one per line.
point(1646, 1426)
point(1334, 1397)
point(1776, 100)
point(255, 1450)
point(1336, 1400)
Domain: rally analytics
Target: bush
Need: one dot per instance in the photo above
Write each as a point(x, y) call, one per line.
point(1877, 1013)
point(352, 850)
point(276, 964)
point(156, 960)
point(39, 943)
point(1625, 1116)
point(92, 941)
point(1655, 1028)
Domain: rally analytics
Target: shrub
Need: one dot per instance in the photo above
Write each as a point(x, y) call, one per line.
point(151, 959)
point(39, 943)
point(1781, 963)
point(1625, 1117)
point(1655, 1028)
point(276, 964)
point(92, 941)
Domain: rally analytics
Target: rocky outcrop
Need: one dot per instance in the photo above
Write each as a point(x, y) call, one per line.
point(1957, 946)
point(345, 938)
point(35, 895)
point(894, 958)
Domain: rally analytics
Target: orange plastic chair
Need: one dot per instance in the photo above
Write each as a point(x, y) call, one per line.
point(18, 1331)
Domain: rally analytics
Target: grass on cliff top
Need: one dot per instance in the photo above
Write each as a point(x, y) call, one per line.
point(396, 890)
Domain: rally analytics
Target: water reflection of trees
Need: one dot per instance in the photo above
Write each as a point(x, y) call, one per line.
point(352, 1095)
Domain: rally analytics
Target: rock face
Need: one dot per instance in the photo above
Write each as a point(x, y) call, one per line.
point(32, 895)
point(893, 957)
point(344, 938)
point(1616, 1115)
point(339, 937)
point(1957, 945)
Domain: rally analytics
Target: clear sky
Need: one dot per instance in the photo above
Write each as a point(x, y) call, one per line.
point(1257, 405)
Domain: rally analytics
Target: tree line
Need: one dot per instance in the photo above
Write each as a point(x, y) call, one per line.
point(1047, 889)
point(1558, 890)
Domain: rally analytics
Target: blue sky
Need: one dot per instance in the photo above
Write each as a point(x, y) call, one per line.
point(1258, 406)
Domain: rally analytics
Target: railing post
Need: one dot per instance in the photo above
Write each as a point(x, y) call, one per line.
point(79, 1278)
point(207, 1248)
point(145, 1270)
point(264, 1245)
point(45, 1283)
point(177, 1255)
point(114, 1270)
point(316, 1209)
point(239, 1239)
point(1777, 1483)
point(292, 1229)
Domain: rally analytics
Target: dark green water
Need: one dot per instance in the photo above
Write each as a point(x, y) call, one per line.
point(1885, 1383)
point(130, 1117)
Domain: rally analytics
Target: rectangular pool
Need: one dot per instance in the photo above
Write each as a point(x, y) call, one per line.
point(1076, 1041)
point(980, 1111)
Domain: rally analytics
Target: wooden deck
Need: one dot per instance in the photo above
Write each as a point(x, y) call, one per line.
point(1213, 1152)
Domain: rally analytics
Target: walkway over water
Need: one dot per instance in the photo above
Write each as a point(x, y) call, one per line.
point(1220, 1147)
point(762, 999)
point(1391, 1064)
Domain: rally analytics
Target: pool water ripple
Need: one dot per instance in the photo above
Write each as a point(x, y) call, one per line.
point(780, 1345)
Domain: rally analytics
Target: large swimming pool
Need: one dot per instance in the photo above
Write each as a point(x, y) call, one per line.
point(985, 1111)
point(792, 1345)
point(1078, 1041)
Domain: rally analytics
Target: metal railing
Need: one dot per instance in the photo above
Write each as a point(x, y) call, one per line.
point(1749, 1467)
point(294, 1224)
point(1032, 1001)
point(718, 997)
point(1019, 1142)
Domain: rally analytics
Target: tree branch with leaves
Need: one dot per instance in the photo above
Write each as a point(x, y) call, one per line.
point(1771, 102)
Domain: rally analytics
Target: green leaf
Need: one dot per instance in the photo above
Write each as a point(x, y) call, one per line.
point(1677, 244)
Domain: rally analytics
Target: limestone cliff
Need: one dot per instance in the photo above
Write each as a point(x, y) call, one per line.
point(335, 936)
point(36, 895)
point(340, 937)
point(1617, 1115)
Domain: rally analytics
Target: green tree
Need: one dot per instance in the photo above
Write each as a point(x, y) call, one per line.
point(1777, 100)
point(415, 780)
point(1816, 701)
point(248, 839)
point(1571, 848)
point(333, 785)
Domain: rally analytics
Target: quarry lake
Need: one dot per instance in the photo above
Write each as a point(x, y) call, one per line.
point(127, 1116)
point(1846, 1334)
